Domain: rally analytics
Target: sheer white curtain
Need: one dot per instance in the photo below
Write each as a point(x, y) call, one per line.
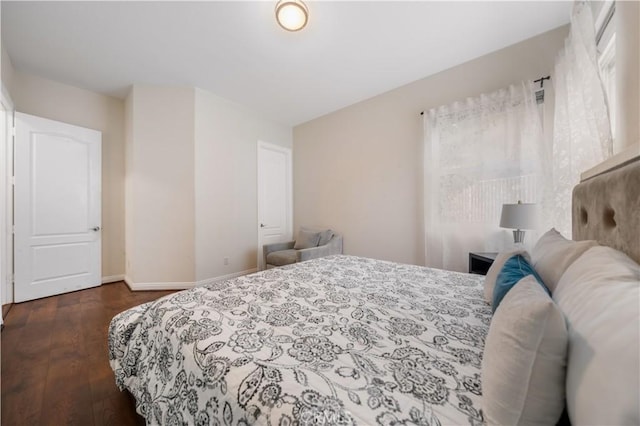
point(582, 130)
point(479, 154)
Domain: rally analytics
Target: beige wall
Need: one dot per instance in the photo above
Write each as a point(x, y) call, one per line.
point(627, 75)
point(61, 102)
point(7, 70)
point(226, 138)
point(191, 185)
point(160, 190)
point(359, 169)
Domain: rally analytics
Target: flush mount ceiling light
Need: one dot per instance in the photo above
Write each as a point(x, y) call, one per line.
point(292, 15)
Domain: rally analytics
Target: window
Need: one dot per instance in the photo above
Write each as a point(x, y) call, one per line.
point(606, 42)
point(479, 154)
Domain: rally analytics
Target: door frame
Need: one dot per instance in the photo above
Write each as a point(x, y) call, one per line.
point(6, 198)
point(289, 197)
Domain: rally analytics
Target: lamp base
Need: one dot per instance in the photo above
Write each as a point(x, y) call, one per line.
point(518, 236)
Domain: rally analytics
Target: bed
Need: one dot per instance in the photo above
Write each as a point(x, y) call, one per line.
point(337, 340)
point(348, 340)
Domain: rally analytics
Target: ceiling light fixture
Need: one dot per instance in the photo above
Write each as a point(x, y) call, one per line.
point(292, 15)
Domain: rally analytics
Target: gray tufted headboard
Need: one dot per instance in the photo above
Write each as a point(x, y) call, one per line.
point(606, 208)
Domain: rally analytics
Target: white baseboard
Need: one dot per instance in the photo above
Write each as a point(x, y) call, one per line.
point(225, 277)
point(157, 286)
point(112, 279)
point(182, 285)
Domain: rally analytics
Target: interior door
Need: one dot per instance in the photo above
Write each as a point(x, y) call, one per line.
point(57, 207)
point(274, 196)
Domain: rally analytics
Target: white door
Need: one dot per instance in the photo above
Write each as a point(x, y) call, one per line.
point(57, 207)
point(274, 196)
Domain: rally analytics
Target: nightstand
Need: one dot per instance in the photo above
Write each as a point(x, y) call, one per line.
point(479, 263)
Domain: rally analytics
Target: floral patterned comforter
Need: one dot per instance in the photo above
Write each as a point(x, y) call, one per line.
point(338, 341)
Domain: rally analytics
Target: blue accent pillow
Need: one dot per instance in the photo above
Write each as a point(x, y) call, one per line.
point(513, 270)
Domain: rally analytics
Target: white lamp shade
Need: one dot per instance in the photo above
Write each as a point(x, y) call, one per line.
point(519, 216)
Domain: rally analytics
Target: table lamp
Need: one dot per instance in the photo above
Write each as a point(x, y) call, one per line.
point(518, 217)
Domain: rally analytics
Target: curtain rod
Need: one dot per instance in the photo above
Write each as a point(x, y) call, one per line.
point(540, 80)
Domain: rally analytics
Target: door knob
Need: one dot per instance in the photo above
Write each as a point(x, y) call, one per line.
point(95, 228)
point(262, 225)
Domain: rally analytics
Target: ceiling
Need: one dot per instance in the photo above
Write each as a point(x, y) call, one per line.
point(348, 52)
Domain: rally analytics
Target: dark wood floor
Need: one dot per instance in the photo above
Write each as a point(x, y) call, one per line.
point(55, 365)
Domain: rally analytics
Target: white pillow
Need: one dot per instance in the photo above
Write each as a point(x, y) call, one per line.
point(553, 254)
point(599, 295)
point(496, 267)
point(523, 366)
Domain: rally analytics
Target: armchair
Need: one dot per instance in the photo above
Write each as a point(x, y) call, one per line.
point(280, 254)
